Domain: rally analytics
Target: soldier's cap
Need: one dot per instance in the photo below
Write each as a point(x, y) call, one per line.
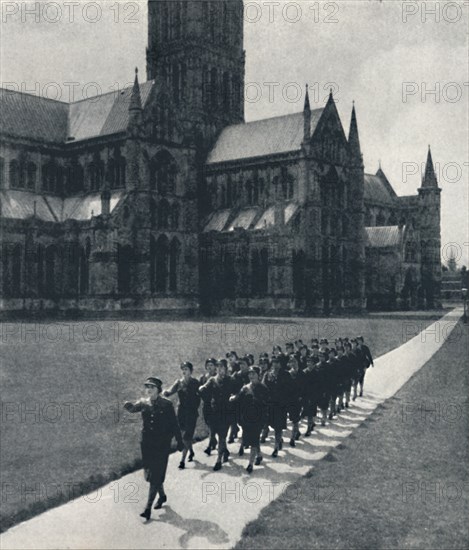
point(324, 341)
point(292, 357)
point(359, 338)
point(289, 345)
point(354, 341)
point(231, 354)
point(304, 346)
point(222, 363)
point(257, 370)
point(347, 345)
point(187, 365)
point(244, 359)
point(211, 360)
point(314, 340)
point(152, 381)
point(315, 346)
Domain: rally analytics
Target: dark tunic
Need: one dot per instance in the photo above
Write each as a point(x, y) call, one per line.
point(343, 373)
point(333, 377)
point(278, 388)
point(160, 425)
point(252, 401)
point(322, 379)
point(206, 407)
point(310, 404)
point(217, 393)
point(295, 394)
point(189, 401)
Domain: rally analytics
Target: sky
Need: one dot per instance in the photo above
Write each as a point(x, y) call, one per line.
point(405, 65)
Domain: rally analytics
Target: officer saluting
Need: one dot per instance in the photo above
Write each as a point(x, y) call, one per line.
point(160, 425)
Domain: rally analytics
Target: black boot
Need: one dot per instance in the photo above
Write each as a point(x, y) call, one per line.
point(191, 456)
point(160, 502)
point(146, 514)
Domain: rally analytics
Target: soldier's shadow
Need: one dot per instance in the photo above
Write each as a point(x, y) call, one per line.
point(194, 528)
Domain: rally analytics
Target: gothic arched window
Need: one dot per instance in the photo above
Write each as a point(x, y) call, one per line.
point(163, 214)
point(31, 171)
point(40, 270)
point(161, 268)
point(50, 261)
point(263, 271)
point(16, 258)
point(15, 174)
point(214, 88)
point(163, 173)
point(175, 216)
point(174, 254)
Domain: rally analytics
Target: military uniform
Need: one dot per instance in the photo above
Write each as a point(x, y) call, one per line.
point(188, 409)
point(160, 425)
point(217, 391)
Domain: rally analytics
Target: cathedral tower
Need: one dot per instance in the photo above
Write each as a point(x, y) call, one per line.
point(430, 234)
point(195, 49)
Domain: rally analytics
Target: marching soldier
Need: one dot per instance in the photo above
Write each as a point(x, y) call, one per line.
point(350, 362)
point(367, 360)
point(322, 373)
point(252, 400)
point(187, 389)
point(277, 381)
point(311, 394)
point(210, 371)
point(218, 390)
point(295, 392)
point(160, 425)
point(240, 378)
point(333, 377)
point(343, 379)
point(359, 366)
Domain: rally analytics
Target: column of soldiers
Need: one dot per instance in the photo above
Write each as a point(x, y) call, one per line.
point(314, 383)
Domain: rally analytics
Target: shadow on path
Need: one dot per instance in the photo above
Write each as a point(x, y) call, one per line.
point(194, 528)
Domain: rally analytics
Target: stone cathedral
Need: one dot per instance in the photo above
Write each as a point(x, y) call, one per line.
point(162, 198)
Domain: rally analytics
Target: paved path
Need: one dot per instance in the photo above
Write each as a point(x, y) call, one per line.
point(209, 509)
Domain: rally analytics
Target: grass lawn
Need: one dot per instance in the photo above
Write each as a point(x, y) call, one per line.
point(399, 481)
point(63, 429)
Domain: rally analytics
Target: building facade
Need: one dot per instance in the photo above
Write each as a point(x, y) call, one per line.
point(161, 198)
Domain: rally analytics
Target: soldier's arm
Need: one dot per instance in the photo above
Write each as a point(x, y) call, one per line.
point(172, 390)
point(134, 407)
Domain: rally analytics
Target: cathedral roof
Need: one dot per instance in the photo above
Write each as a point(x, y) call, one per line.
point(377, 190)
point(41, 119)
point(382, 237)
point(20, 205)
point(270, 136)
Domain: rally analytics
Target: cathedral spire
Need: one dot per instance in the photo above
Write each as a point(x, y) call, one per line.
point(353, 139)
point(429, 178)
point(307, 117)
point(135, 107)
point(307, 105)
point(135, 99)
